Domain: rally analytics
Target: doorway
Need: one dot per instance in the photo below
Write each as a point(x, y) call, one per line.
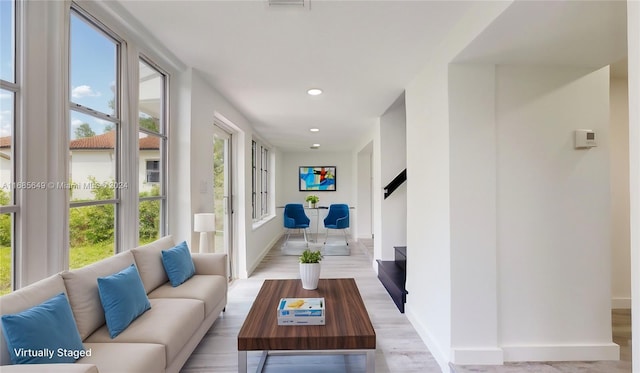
point(222, 187)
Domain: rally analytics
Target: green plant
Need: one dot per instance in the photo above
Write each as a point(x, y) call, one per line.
point(5, 220)
point(309, 256)
point(312, 199)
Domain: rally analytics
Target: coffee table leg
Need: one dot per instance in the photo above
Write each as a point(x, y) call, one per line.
point(242, 361)
point(371, 361)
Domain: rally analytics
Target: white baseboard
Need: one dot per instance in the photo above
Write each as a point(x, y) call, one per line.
point(264, 253)
point(423, 332)
point(604, 351)
point(477, 356)
point(621, 303)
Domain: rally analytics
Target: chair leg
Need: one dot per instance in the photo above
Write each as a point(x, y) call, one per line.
point(286, 241)
point(304, 232)
point(346, 241)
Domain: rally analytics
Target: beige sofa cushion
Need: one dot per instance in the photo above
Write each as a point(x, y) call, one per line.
point(169, 322)
point(149, 261)
point(27, 297)
point(210, 263)
point(125, 357)
point(50, 368)
point(210, 289)
point(82, 289)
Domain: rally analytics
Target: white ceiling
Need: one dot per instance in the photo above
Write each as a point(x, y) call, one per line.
point(554, 33)
point(361, 53)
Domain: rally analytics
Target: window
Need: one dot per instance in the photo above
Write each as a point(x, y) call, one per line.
point(254, 181)
point(94, 132)
point(9, 95)
point(152, 141)
point(153, 171)
point(260, 175)
point(264, 180)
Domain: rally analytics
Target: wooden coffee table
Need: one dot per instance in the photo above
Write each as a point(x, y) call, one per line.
point(347, 328)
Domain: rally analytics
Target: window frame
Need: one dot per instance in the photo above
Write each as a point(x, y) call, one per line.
point(264, 180)
point(155, 171)
point(15, 88)
point(116, 119)
point(162, 134)
point(261, 206)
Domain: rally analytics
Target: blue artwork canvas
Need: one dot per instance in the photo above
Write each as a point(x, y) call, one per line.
point(317, 178)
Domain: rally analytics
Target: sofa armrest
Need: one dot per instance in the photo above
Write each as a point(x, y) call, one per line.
point(210, 264)
point(49, 368)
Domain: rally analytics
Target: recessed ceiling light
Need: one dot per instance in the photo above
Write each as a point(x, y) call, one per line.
point(316, 145)
point(314, 129)
point(314, 91)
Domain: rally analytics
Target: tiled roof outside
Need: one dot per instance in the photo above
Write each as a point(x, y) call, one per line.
point(103, 141)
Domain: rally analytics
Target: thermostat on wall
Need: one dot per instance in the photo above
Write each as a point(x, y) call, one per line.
point(585, 139)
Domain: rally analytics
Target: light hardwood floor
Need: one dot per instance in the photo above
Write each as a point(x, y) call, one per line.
point(399, 349)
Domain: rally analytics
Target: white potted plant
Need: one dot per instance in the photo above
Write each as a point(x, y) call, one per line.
point(310, 269)
point(312, 200)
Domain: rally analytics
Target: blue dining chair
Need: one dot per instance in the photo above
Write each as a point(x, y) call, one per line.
point(295, 218)
point(337, 218)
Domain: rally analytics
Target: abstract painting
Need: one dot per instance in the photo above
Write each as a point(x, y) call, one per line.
point(317, 178)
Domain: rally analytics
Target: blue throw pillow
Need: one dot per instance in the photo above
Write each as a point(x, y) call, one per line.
point(178, 264)
point(43, 334)
point(123, 299)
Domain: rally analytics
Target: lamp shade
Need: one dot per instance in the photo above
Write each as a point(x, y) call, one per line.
point(205, 222)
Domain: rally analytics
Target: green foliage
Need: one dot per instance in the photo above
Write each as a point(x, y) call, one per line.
point(84, 130)
point(5, 270)
point(81, 256)
point(309, 256)
point(5, 230)
point(91, 230)
point(149, 123)
point(312, 199)
point(4, 197)
point(149, 212)
point(93, 224)
point(218, 176)
point(5, 220)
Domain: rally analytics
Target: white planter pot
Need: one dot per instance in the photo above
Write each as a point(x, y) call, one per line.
point(310, 274)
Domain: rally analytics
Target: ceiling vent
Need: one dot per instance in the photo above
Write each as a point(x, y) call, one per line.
point(287, 2)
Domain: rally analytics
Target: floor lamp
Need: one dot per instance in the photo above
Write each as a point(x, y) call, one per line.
point(204, 223)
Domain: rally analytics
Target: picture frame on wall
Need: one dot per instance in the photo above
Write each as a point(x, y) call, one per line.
point(317, 178)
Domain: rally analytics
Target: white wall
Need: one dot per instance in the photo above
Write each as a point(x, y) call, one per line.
point(5, 168)
point(620, 245)
point(345, 179)
point(474, 313)
point(288, 189)
point(553, 208)
point(364, 192)
point(633, 40)
point(203, 103)
point(393, 139)
point(99, 164)
point(428, 211)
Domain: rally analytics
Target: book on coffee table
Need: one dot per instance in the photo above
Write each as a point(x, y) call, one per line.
point(301, 311)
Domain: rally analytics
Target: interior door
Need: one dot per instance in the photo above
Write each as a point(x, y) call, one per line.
point(222, 194)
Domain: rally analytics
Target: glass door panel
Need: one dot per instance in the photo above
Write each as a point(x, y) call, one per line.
point(222, 192)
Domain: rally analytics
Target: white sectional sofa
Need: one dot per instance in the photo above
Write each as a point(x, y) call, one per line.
point(159, 340)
